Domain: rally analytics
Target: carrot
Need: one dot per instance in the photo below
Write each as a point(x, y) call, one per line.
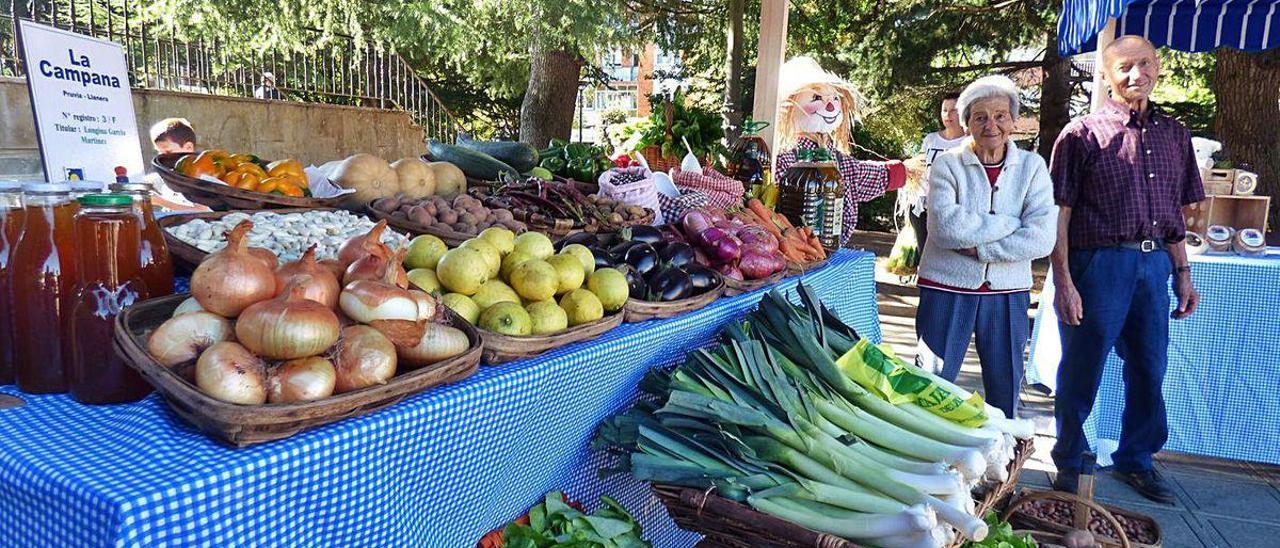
point(816, 245)
point(790, 251)
point(757, 207)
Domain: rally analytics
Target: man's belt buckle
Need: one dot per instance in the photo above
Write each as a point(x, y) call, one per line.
point(1148, 246)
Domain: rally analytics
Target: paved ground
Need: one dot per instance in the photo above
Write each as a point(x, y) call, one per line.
point(1220, 503)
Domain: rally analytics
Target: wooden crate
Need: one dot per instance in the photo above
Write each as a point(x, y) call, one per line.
point(1218, 182)
point(1236, 212)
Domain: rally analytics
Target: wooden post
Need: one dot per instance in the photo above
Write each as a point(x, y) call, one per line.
point(1100, 87)
point(773, 48)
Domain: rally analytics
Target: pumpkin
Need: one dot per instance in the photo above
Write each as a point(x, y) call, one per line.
point(450, 180)
point(417, 180)
point(371, 177)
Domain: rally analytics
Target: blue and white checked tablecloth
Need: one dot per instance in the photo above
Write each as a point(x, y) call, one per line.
point(438, 469)
point(1224, 365)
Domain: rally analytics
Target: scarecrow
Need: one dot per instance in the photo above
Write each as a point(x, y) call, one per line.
point(818, 110)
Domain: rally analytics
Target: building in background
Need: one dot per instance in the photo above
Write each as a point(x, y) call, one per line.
point(633, 77)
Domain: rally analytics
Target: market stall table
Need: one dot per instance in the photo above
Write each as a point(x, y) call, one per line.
point(438, 469)
point(1224, 365)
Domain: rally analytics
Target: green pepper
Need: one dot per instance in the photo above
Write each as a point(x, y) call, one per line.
point(576, 151)
point(559, 143)
point(581, 169)
point(554, 164)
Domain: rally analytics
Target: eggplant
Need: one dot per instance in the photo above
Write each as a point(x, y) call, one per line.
point(701, 277)
point(642, 233)
point(635, 283)
point(619, 252)
point(671, 284)
point(585, 238)
point(642, 257)
point(677, 254)
point(603, 258)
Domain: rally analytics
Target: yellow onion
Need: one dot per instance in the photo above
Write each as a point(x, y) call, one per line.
point(322, 287)
point(231, 373)
point(359, 246)
point(364, 358)
point(438, 342)
point(183, 337)
point(301, 380)
point(189, 305)
point(232, 278)
point(267, 257)
point(335, 267)
point(289, 326)
point(426, 304)
point(379, 264)
point(368, 301)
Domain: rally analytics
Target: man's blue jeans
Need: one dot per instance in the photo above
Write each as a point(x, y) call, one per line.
point(1125, 295)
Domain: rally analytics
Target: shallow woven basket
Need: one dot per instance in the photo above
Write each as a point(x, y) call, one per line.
point(186, 256)
point(732, 524)
point(243, 425)
point(640, 311)
point(500, 348)
point(451, 238)
point(737, 287)
point(794, 268)
point(223, 197)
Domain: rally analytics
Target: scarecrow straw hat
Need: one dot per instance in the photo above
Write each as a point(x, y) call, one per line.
point(799, 74)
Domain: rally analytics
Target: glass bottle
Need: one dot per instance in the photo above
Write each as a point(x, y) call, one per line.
point(157, 266)
point(43, 273)
point(811, 193)
point(109, 235)
point(10, 230)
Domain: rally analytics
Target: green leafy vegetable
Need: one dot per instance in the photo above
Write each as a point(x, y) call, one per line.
point(555, 524)
point(1001, 536)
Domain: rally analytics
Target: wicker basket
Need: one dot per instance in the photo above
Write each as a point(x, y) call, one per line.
point(1111, 515)
point(243, 425)
point(731, 524)
point(186, 256)
point(223, 197)
point(500, 348)
point(737, 287)
point(640, 311)
point(451, 238)
point(794, 268)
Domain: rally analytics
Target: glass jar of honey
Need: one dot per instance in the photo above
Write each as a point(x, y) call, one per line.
point(43, 274)
point(109, 236)
point(157, 266)
point(10, 231)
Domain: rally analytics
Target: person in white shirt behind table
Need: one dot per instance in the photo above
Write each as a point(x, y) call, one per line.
point(950, 136)
point(991, 212)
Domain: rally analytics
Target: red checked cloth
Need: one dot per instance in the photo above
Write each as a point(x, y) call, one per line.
point(673, 208)
point(722, 192)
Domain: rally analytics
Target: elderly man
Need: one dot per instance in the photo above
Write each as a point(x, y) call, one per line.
point(1121, 178)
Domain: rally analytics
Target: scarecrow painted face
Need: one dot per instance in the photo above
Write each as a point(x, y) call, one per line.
point(821, 109)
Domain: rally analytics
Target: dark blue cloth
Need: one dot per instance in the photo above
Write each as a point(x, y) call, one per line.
point(1125, 296)
point(945, 321)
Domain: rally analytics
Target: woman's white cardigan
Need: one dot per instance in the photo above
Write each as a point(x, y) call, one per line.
point(1009, 224)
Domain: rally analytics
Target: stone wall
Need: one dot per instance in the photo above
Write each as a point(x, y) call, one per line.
point(312, 133)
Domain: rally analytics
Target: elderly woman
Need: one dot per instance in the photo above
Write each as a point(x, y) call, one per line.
point(991, 212)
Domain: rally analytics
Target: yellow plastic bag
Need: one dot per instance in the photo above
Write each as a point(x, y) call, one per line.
point(880, 371)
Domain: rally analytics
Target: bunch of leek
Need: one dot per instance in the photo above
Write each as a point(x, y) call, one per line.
point(767, 417)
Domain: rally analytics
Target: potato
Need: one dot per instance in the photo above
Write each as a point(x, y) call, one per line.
point(431, 209)
point(448, 217)
point(504, 215)
point(419, 215)
point(467, 218)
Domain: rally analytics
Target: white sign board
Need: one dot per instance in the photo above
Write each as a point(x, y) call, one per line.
point(82, 104)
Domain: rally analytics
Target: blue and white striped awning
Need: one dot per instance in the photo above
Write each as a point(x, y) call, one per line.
point(1187, 25)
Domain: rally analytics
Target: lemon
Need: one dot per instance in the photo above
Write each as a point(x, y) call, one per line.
point(584, 256)
point(535, 280)
point(536, 244)
point(492, 258)
point(507, 319)
point(425, 279)
point(493, 292)
point(610, 286)
point(582, 306)
point(425, 252)
point(501, 238)
point(570, 272)
point(511, 261)
point(547, 317)
point(462, 270)
point(463, 306)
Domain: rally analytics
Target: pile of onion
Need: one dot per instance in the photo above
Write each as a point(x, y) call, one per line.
point(322, 286)
point(359, 246)
point(290, 326)
point(185, 336)
point(363, 357)
point(368, 301)
point(231, 279)
point(304, 379)
point(376, 264)
point(231, 373)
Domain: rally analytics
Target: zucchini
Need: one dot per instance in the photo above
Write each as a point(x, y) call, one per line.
point(476, 165)
point(520, 156)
